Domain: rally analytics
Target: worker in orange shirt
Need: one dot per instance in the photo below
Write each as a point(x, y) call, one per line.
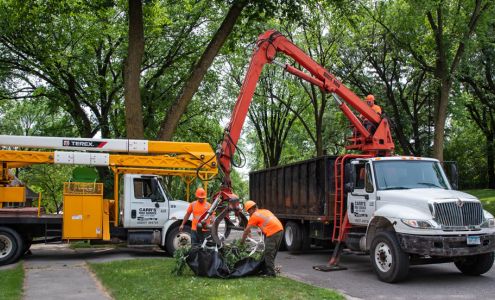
point(370, 100)
point(197, 209)
point(272, 230)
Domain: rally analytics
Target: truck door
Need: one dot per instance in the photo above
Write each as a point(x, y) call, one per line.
point(149, 205)
point(361, 201)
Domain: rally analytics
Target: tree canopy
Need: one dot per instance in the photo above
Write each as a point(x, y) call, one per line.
point(162, 69)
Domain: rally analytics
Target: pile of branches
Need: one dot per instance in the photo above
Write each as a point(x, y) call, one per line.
point(180, 256)
point(234, 252)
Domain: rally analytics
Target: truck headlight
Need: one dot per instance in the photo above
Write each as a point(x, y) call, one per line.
point(488, 223)
point(421, 224)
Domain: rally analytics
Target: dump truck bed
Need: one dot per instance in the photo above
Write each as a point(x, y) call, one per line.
point(303, 190)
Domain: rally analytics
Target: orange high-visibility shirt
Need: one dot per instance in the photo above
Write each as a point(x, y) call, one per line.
point(377, 109)
point(266, 221)
point(198, 209)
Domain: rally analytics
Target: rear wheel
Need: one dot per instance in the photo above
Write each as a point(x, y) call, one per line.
point(390, 263)
point(476, 264)
point(293, 237)
point(176, 239)
point(11, 246)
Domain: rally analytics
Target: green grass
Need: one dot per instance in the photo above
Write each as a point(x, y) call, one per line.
point(152, 279)
point(11, 283)
point(487, 197)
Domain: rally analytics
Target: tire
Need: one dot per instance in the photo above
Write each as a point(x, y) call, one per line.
point(176, 239)
point(389, 262)
point(475, 265)
point(293, 237)
point(11, 246)
point(282, 247)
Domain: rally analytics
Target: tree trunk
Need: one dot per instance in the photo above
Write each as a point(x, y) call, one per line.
point(132, 72)
point(446, 73)
point(319, 141)
point(490, 160)
point(174, 113)
point(440, 118)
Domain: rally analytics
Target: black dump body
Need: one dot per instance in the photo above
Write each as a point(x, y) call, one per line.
point(303, 190)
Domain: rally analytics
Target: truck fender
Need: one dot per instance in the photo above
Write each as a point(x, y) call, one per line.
point(377, 224)
point(167, 226)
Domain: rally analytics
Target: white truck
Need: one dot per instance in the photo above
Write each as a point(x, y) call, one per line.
point(141, 211)
point(400, 210)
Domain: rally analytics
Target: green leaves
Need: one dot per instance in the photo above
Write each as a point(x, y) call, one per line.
point(180, 256)
point(235, 252)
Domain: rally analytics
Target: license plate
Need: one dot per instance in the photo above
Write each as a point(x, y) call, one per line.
point(473, 240)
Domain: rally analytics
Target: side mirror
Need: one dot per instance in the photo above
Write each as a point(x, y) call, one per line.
point(349, 187)
point(454, 176)
point(350, 176)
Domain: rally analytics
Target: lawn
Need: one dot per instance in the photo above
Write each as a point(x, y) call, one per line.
point(487, 196)
point(152, 279)
point(11, 283)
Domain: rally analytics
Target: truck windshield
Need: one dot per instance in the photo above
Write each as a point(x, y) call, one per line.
point(413, 174)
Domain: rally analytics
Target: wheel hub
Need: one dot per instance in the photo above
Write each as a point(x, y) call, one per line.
point(383, 257)
point(5, 246)
point(288, 235)
point(182, 240)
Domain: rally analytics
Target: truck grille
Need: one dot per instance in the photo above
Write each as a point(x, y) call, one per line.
point(457, 216)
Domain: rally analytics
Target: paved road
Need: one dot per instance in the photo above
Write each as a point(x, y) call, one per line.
point(440, 281)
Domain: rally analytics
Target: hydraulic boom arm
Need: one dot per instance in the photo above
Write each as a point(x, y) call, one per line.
point(269, 44)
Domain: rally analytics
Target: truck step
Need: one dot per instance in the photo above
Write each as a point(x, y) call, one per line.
point(53, 235)
point(54, 240)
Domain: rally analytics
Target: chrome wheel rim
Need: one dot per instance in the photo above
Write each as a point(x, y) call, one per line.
point(6, 246)
point(182, 239)
point(383, 257)
point(289, 236)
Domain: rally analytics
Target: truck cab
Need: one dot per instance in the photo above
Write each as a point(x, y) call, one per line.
point(411, 214)
point(150, 214)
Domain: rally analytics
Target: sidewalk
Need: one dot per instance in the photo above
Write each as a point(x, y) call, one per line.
point(63, 276)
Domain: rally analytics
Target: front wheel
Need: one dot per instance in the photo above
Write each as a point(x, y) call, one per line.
point(176, 239)
point(390, 263)
point(475, 265)
point(11, 246)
